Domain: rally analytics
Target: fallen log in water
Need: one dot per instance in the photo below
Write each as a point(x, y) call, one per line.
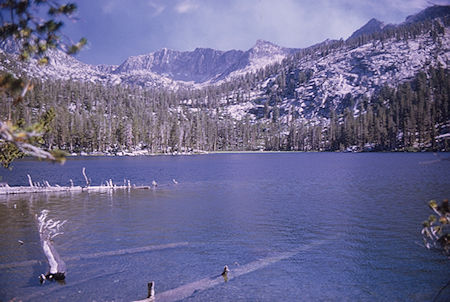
point(129, 251)
point(23, 190)
point(46, 187)
point(185, 291)
point(49, 229)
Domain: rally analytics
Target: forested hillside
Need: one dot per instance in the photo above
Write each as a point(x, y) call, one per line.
point(382, 89)
point(90, 117)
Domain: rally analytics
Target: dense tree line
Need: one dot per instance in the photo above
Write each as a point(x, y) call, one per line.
point(90, 117)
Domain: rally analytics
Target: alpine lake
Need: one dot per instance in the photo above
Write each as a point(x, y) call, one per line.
point(289, 226)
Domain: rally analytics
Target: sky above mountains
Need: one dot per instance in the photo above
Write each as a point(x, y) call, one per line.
point(117, 29)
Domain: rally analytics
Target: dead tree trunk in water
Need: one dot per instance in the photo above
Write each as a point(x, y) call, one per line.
point(85, 177)
point(48, 229)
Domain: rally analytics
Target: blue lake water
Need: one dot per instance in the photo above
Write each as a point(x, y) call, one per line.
point(290, 226)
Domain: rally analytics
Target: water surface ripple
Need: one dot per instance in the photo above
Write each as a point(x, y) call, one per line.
point(290, 226)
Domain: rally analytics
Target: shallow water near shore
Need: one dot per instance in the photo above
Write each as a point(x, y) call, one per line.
point(290, 226)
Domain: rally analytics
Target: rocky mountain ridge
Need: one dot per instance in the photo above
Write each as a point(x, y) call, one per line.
point(204, 65)
point(163, 68)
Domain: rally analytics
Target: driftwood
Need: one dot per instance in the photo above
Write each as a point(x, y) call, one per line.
point(49, 229)
point(46, 187)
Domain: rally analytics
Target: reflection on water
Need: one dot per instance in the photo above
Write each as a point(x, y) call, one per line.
point(289, 226)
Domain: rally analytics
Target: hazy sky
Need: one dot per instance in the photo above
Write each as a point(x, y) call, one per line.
point(117, 29)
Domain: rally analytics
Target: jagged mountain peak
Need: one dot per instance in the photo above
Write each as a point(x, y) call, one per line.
point(263, 46)
point(199, 65)
point(203, 64)
point(375, 23)
point(370, 27)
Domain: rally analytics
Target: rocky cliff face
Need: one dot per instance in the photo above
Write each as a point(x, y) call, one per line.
point(204, 64)
point(196, 66)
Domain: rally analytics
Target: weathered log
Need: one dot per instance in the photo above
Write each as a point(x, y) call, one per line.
point(46, 187)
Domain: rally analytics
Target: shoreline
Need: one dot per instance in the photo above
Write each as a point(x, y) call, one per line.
point(142, 154)
point(138, 154)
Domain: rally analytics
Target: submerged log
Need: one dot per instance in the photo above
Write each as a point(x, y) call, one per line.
point(129, 251)
point(48, 229)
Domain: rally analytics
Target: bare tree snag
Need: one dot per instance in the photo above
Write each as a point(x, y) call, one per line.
point(48, 229)
point(29, 180)
point(85, 177)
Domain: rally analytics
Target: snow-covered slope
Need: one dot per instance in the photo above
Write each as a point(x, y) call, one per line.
point(362, 70)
